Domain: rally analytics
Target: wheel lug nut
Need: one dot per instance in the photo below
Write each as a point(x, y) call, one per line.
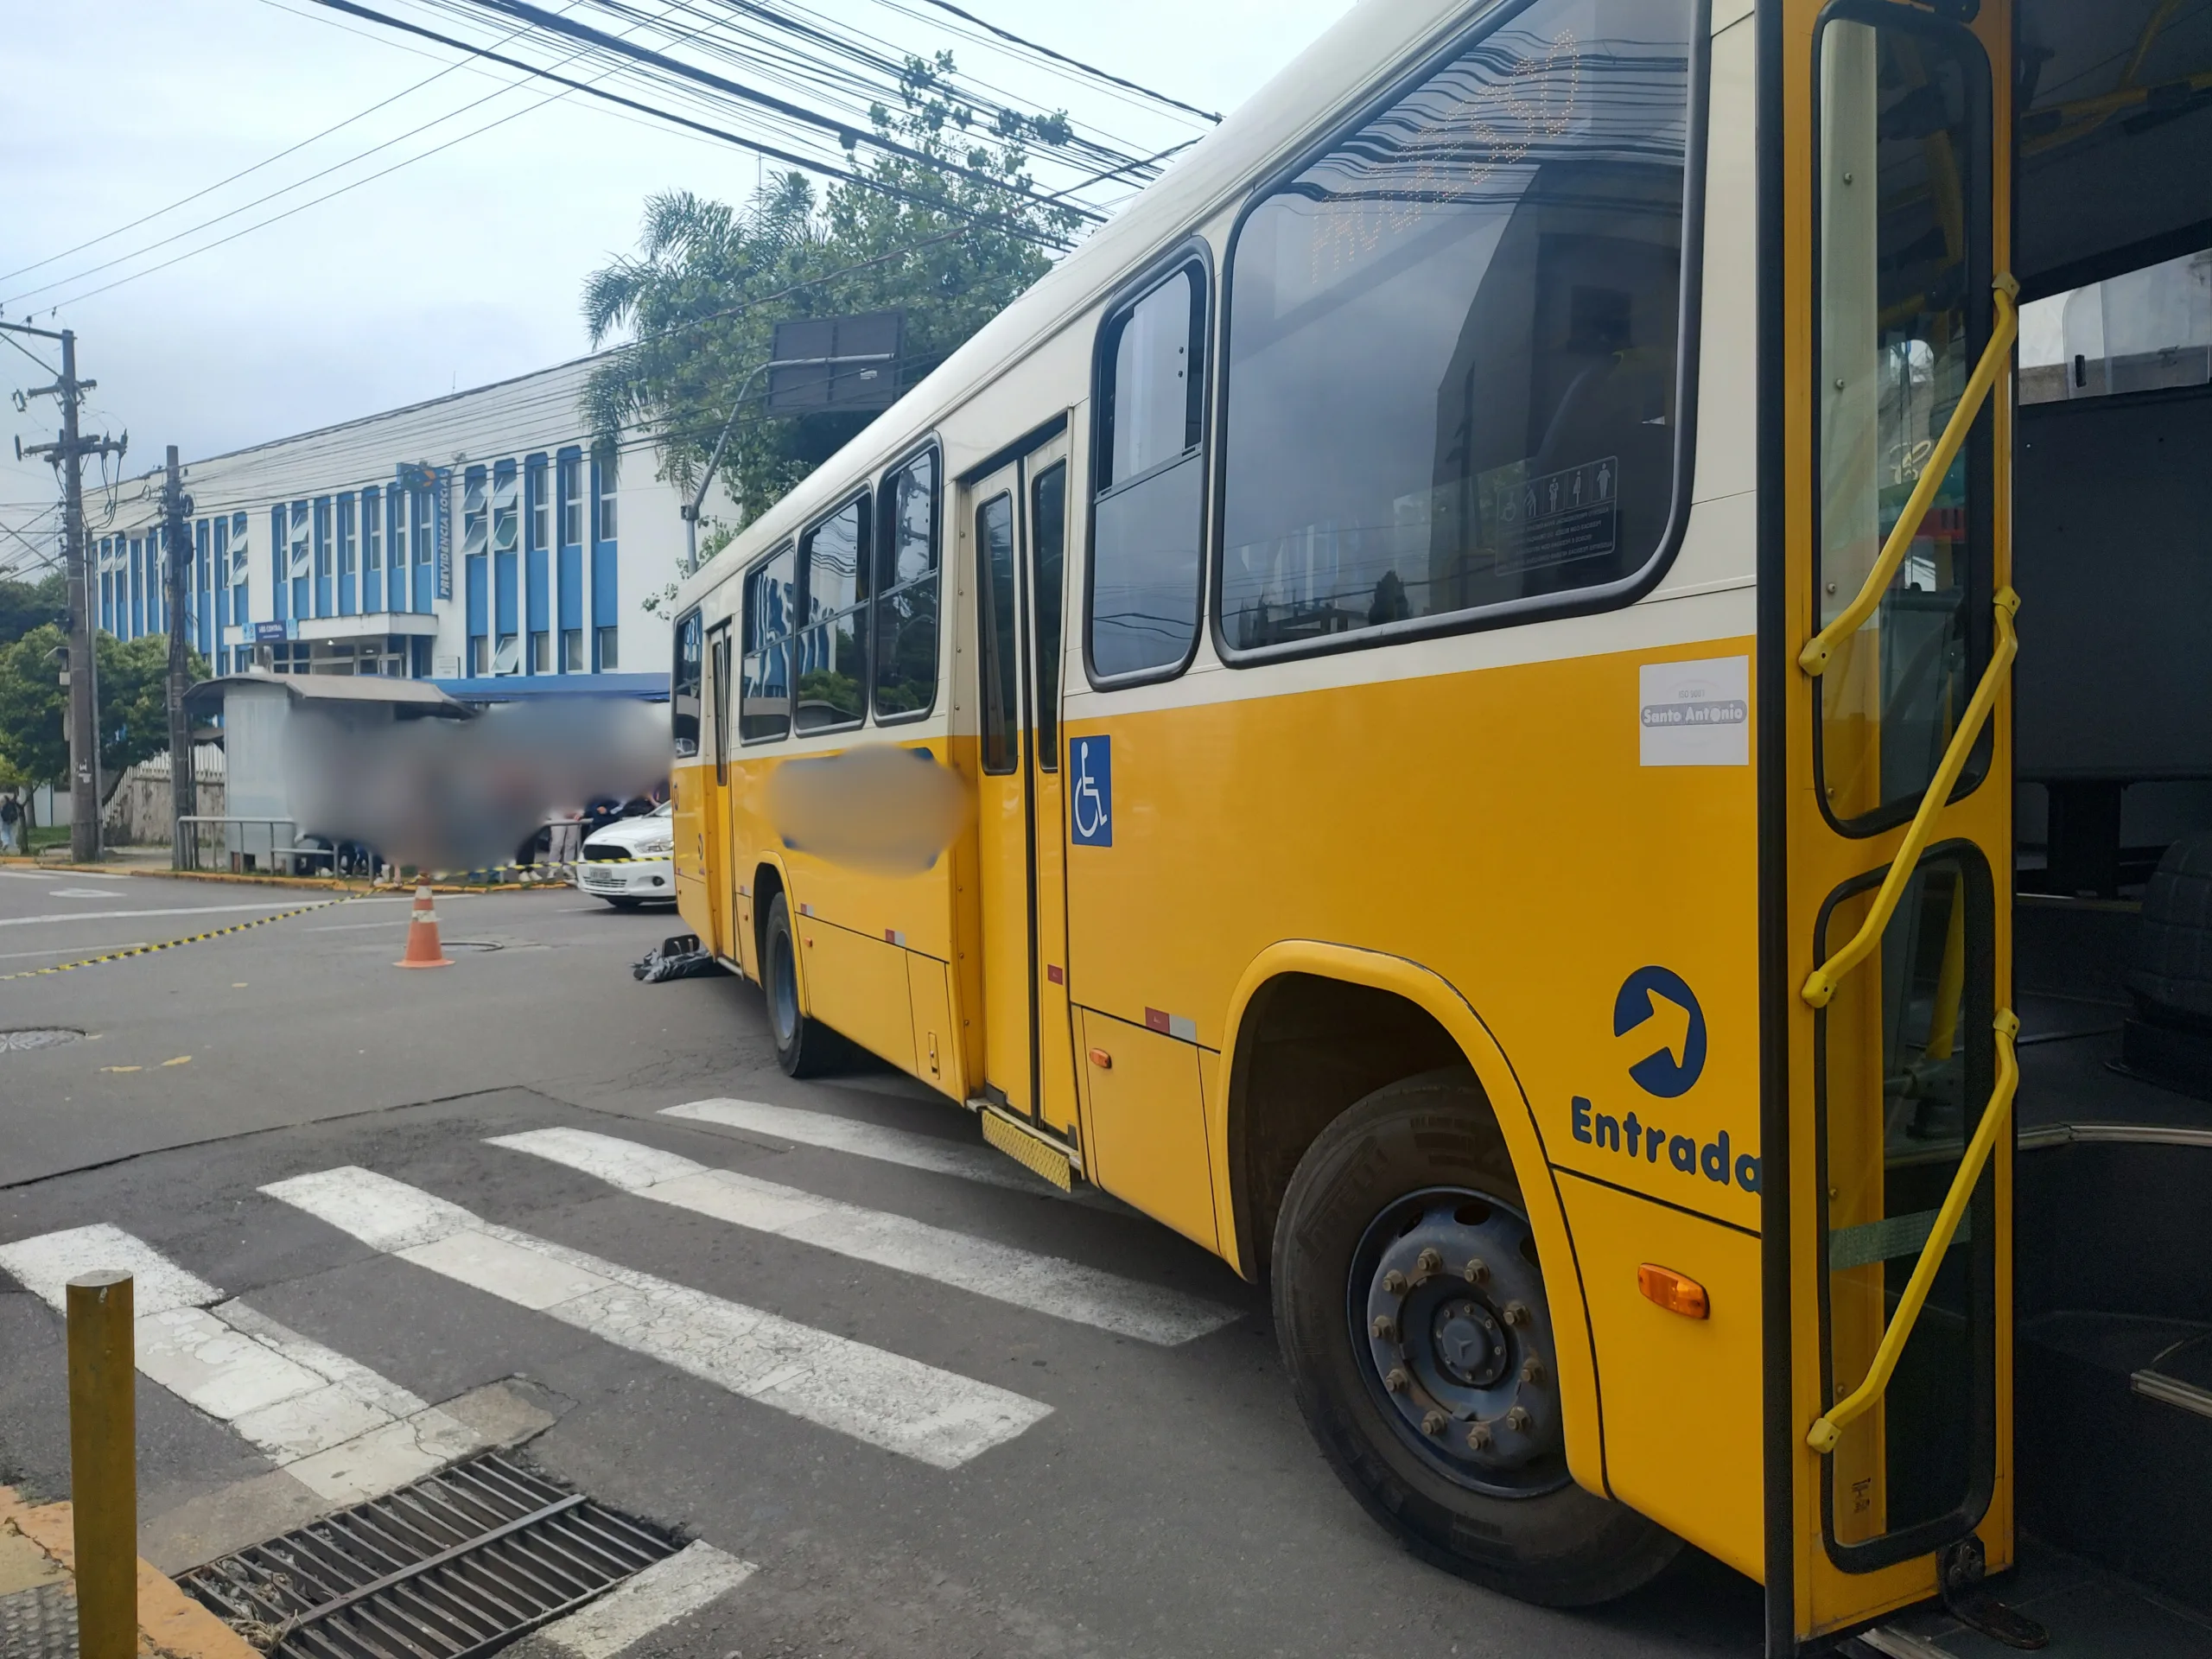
point(1429, 1261)
point(1396, 1379)
point(1394, 1282)
point(1435, 1423)
point(1478, 1438)
point(1385, 1328)
point(1515, 1313)
point(1477, 1270)
point(1532, 1371)
point(1519, 1420)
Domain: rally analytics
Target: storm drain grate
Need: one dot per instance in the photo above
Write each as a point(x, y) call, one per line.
point(453, 1566)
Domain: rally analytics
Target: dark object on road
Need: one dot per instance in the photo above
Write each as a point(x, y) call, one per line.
point(681, 957)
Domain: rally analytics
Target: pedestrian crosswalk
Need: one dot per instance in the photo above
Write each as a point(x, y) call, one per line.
point(885, 1399)
point(347, 1433)
point(1044, 1284)
point(336, 1425)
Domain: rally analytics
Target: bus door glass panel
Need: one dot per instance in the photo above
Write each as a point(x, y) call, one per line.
point(1003, 830)
point(1047, 477)
point(1902, 277)
point(720, 883)
point(1904, 1060)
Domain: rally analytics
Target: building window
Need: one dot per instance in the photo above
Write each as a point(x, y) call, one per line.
point(829, 665)
point(541, 653)
point(1144, 565)
point(473, 524)
point(322, 539)
point(572, 500)
point(906, 588)
point(603, 477)
point(348, 551)
point(508, 660)
point(504, 494)
point(572, 651)
point(539, 509)
point(302, 558)
point(609, 660)
point(371, 530)
point(479, 655)
point(1451, 354)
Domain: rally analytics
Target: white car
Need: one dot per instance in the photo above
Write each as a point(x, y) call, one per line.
point(630, 862)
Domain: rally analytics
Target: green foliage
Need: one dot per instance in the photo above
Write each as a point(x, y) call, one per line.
point(702, 298)
point(33, 704)
point(25, 604)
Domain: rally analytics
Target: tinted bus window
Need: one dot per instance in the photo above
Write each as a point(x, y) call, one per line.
point(830, 653)
point(1145, 554)
point(1001, 688)
point(1048, 536)
point(765, 697)
point(684, 686)
point(1451, 380)
point(906, 587)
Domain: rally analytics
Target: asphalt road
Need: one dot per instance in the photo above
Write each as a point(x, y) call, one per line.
point(940, 1408)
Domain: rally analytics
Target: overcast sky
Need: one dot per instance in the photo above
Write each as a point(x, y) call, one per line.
point(458, 269)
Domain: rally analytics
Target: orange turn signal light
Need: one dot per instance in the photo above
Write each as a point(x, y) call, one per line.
point(1676, 1292)
point(1101, 1059)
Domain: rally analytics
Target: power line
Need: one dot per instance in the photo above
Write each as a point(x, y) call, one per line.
point(266, 160)
point(1091, 70)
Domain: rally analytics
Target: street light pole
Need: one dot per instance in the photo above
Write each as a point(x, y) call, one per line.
point(690, 509)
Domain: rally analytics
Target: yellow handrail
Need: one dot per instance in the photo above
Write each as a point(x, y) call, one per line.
point(1828, 1429)
point(1814, 659)
point(1821, 985)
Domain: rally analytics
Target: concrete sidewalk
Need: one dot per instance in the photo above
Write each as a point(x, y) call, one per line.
point(38, 1607)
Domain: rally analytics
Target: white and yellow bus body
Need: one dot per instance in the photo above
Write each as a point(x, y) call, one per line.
point(1556, 865)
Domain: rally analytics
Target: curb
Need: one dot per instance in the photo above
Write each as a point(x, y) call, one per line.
point(297, 883)
point(171, 1623)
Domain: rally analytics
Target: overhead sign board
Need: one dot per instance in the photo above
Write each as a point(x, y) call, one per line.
point(834, 365)
point(264, 632)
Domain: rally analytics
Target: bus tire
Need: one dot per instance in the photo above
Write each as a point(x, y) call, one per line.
point(1418, 1425)
point(804, 1047)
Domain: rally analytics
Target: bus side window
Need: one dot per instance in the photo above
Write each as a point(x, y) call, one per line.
point(722, 667)
point(830, 655)
point(764, 698)
point(1149, 481)
point(906, 589)
point(1451, 383)
point(684, 690)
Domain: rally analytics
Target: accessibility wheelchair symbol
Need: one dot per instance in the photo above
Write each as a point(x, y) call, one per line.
point(1090, 802)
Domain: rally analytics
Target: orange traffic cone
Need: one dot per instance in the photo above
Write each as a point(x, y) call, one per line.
point(423, 949)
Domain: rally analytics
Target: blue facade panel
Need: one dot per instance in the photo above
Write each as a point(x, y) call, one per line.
point(136, 623)
point(324, 598)
point(280, 585)
point(478, 601)
point(541, 609)
point(572, 587)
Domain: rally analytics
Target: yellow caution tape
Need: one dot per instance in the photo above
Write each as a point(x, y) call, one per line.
point(171, 944)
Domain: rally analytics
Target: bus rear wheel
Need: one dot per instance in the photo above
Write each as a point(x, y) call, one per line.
point(1410, 1309)
point(804, 1047)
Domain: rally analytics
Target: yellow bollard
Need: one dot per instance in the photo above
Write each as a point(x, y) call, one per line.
point(103, 1463)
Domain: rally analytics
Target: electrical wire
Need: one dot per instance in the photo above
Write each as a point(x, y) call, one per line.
point(1091, 70)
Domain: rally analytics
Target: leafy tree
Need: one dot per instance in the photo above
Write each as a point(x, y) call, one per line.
point(35, 705)
point(25, 604)
point(701, 299)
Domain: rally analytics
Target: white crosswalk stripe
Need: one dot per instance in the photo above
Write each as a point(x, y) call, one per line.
point(1044, 1284)
point(887, 1399)
point(344, 1432)
point(940, 1157)
point(655, 1599)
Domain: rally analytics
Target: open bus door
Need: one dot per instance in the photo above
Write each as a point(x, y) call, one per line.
point(1887, 637)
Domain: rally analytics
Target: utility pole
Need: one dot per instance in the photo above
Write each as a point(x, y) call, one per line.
point(177, 531)
point(68, 454)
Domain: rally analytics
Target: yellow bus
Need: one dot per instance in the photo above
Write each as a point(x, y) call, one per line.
point(1433, 708)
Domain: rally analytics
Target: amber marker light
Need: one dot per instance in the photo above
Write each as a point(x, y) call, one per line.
point(1673, 1291)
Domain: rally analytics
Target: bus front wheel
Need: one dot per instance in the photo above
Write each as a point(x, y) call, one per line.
point(1410, 1308)
point(804, 1047)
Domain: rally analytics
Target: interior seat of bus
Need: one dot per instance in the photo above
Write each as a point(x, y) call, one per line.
point(2112, 503)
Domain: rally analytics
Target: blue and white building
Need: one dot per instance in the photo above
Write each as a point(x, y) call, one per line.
point(472, 540)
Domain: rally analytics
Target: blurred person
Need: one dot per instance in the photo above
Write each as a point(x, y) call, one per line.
point(11, 823)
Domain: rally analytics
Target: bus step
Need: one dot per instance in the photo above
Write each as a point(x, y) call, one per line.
point(1030, 1151)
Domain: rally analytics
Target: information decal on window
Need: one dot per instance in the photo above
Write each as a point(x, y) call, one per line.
point(1695, 713)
